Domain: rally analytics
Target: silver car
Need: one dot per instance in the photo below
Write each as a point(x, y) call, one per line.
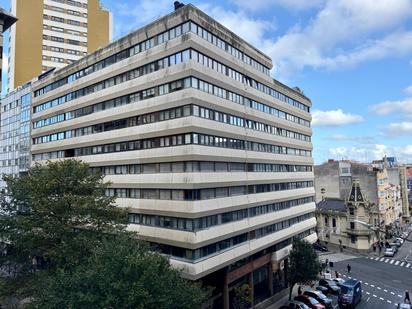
point(389, 252)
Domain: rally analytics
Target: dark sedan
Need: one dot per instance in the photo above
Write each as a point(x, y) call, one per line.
point(330, 285)
point(320, 297)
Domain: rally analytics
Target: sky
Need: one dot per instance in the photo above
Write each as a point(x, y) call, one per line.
point(352, 58)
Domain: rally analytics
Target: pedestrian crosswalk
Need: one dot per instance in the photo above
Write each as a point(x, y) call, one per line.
point(391, 261)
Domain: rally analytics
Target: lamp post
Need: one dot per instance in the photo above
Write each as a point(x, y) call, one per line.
point(370, 227)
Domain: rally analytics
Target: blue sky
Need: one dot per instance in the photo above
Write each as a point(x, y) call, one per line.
point(352, 58)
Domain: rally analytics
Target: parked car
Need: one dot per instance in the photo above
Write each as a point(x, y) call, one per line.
point(297, 305)
point(394, 246)
point(351, 294)
point(320, 297)
point(389, 252)
point(338, 281)
point(399, 241)
point(330, 284)
point(319, 247)
point(309, 301)
point(322, 289)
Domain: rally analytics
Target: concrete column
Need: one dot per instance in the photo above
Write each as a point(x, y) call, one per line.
point(270, 278)
point(226, 291)
point(251, 285)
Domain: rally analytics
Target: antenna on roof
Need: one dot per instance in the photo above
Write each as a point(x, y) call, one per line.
point(178, 5)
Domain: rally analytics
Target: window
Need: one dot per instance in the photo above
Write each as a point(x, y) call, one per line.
point(351, 211)
point(352, 225)
point(353, 239)
point(333, 222)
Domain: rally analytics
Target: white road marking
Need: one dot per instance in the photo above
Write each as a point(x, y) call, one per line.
point(385, 290)
point(381, 298)
point(389, 301)
point(387, 260)
point(382, 259)
point(349, 277)
point(367, 293)
point(360, 281)
point(374, 295)
point(366, 283)
point(392, 261)
point(378, 288)
point(376, 258)
point(372, 285)
point(403, 263)
point(399, 295)
point(397, 262)
point(368, 299)
point(392, 293)
point(408, 265)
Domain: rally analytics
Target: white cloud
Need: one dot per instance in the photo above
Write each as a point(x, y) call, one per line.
point(408, 90)
point(388, 107)
point(396, 129)
point(248, 28)
point(351, 138)
point(260, 5)
point(130, 16)
point(372, 152)
point(334, 118)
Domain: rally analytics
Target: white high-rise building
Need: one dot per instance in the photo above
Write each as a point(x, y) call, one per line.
point(211, 156)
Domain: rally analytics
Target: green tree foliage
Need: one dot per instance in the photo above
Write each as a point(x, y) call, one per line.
point(304, 265)
point(67, 247)
point(53, 217)
point(121, 273)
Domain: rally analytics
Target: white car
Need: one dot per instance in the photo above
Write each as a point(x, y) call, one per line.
point(400, 240)
point(389, 252)
point(339, 280)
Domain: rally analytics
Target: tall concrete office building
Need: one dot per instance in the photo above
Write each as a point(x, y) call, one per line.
point(53, 33)
point(6, 21)
point(211, 156)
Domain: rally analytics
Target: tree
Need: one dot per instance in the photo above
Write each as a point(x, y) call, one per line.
point(304, 265)
point(122, 272)
point(53, 217)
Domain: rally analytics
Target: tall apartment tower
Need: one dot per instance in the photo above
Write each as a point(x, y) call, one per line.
point(210, 155)
point(6, 21)
point(54, 33)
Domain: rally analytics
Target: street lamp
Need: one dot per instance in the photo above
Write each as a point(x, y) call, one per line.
point(370, 227)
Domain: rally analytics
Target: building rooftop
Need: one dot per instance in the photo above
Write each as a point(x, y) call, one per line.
point(332, 204)
point(9, 19)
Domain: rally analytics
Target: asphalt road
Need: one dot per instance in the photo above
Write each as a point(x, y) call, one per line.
point(383, 284)
point(405, 252)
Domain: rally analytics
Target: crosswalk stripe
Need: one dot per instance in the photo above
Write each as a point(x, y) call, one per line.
point(397, 262)
point(376, 258)
point(387, 260)
point(381, 259)
point(392, 261)
point(408, 265)
point(403, 263)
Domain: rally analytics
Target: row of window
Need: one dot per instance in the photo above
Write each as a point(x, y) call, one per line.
point(205, 194)
point(174, 140)
point(196, 255)
point(62, 50)
point(62, 10)
point(149, 43)
point(62, 40)
point(63, 30)
point(165, 89)
point(199, 166)
point(121, 78)
point(62, 20)
point(73, 3)
point(202, 223)
point(173, 113)
point(242, 78)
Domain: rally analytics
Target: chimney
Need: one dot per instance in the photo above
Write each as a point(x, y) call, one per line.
point(178, 5)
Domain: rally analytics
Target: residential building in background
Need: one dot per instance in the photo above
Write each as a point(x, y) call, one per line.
point(211, 156)
point(6, 21)
point(384, 189)
point(336, 220)
point(15, 132)
point(53, 33)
